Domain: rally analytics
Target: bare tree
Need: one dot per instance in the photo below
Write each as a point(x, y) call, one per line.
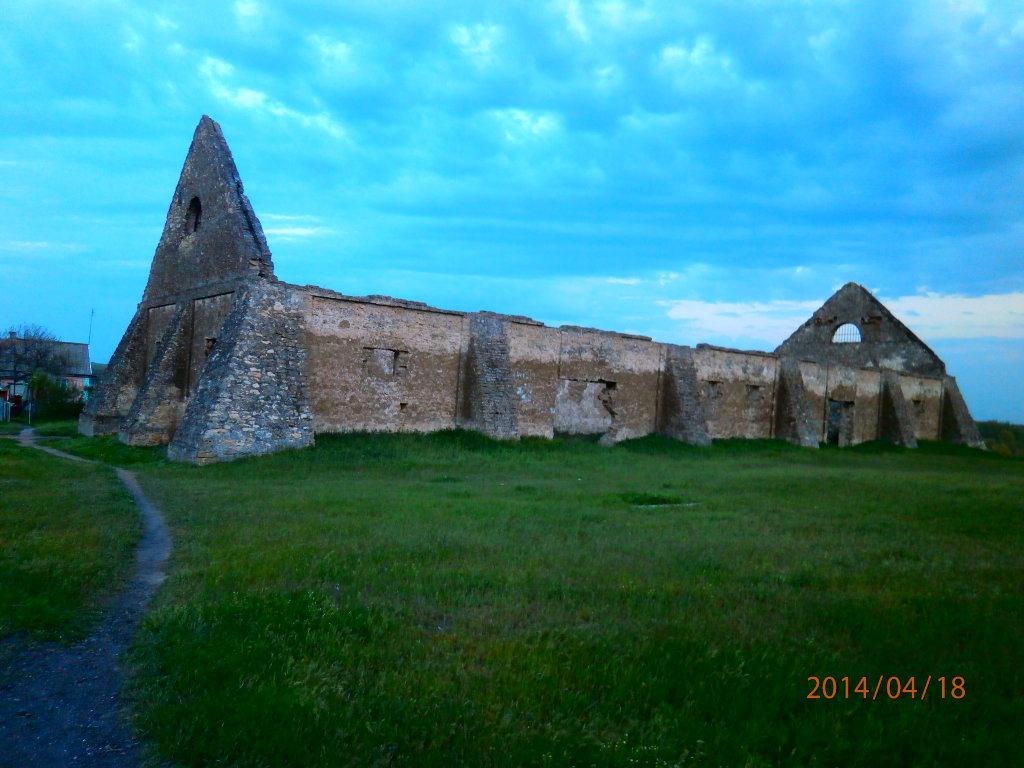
point(28, 348)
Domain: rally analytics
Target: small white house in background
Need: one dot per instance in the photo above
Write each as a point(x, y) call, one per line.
point(67, 361)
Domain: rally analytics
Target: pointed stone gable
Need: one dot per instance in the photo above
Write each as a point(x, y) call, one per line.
point(212, 245)
point(211, 235)
point(884, 342)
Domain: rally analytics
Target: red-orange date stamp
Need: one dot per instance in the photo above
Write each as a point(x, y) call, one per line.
point(886, 688)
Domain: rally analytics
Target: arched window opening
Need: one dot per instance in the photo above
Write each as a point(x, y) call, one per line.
point(193, 216)
point(847, 333)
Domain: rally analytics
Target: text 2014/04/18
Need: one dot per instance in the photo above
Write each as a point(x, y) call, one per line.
point(888, 687)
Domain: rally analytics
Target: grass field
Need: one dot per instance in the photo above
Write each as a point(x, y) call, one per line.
point(68, 532)
point(447, 600)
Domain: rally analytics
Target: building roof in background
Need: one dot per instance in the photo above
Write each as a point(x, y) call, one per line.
point(75, 355)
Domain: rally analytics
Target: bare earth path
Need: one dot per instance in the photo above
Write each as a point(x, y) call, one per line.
point(61, 706)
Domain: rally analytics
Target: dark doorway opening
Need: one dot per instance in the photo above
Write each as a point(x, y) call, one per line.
point(839, 425)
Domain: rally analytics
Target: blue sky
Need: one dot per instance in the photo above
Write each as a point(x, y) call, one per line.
point(693, 171)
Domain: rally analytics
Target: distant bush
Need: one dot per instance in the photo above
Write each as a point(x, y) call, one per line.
point(53, 398)
point(1003, 437)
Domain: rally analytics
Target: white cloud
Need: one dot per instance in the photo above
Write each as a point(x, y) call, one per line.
point(288, 217)
point(248, 14)
point(574, 19)
point(521, 125)
point(770, 322)
point(292, 232)
point(930, 316)
point(216, 72)
point(247, 8)
point(620, 16)
point(940, 316)
point(331, 50)
point(695, 66)
point(478, 42)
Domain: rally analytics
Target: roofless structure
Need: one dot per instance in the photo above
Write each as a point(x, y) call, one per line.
point(223, 360)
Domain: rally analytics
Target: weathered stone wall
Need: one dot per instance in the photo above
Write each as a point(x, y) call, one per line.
point(738, 391)
point(211, 243)
point(487, 400)
point(533, 352)
point(795, 420)
point(681, 404)
point(252, 396)
point(924, 405)
point(957, 424)
point(895, 424)
point(109, 403)
point(608, 384)
point(208, 313)
point(381, 365)
point(867, 403)
point(158, 405)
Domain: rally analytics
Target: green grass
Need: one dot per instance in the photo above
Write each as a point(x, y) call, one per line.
point(68, 532)
point(58, 428)
point(108, 449)
point(11, 427)
point(449, 600)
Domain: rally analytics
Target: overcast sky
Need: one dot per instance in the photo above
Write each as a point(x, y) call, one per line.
point(693, 171)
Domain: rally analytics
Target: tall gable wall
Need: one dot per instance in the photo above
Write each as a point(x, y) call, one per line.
point(212, 245)
point(885, 342)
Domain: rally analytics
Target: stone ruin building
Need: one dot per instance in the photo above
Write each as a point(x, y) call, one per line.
point(223, 360)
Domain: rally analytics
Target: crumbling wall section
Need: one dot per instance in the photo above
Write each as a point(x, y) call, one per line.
point(608, 384)
point(252, 396)
point(923, 397)
point(533, 357)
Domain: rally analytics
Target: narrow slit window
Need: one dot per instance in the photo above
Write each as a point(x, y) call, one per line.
point(847, 333)
point(193, 216)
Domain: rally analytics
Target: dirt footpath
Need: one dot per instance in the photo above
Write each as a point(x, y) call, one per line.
point(61, 706)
